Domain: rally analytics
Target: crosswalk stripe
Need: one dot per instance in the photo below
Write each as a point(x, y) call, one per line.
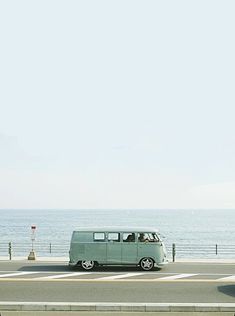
point(119, 276)
point(229, 278)
point(60, 276)
point(15, 274)
point(177, 276)
point(97, 276)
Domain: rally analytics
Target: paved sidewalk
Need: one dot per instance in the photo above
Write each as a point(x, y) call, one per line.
point(38, 259)
point(216, 260)
point(97, 307)
point(66, 259)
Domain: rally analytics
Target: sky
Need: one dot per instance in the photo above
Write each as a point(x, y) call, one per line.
point(117, 104)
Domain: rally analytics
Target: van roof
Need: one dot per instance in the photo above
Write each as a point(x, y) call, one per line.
point(128, 229)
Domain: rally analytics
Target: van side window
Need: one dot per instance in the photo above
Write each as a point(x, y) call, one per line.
point(99, 236)
point(113, 237)
point(128, 237)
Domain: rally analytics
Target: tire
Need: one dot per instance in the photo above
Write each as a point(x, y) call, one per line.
point(147, 264)
point(87, 264)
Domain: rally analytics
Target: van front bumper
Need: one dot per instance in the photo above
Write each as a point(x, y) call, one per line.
point(161, 264)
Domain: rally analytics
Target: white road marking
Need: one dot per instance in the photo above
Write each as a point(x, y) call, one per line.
point(119, 276)
point(229, 278)
point(177, 276)
point(15, 274)
point(60, 276)
point(100, 276)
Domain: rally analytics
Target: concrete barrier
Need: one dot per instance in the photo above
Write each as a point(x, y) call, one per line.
point(118, 307)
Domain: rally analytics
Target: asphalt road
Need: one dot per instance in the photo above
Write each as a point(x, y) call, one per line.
point(177, 282)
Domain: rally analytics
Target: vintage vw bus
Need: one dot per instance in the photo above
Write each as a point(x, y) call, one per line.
point(138, 246)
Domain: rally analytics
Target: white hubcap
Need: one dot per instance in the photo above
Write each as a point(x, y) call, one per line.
point(87, 264)
point(147, 264)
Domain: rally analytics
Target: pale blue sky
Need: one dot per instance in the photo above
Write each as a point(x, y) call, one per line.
point(117, 104)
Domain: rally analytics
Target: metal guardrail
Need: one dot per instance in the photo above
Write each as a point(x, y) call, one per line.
point(174, 250)
point(201, 250)
point(13, 249)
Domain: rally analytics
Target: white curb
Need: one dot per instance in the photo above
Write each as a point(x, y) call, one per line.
point(127, 307)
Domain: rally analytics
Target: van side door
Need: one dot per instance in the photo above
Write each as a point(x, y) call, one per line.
point(129, 248)
point(114, 250)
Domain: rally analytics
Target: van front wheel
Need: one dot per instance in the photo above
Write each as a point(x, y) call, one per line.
point(147, 264)
point(87, 265)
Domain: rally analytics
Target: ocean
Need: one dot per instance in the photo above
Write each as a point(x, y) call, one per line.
point(194, 232)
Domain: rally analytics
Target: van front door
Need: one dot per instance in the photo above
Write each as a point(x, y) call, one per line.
point(148, 246)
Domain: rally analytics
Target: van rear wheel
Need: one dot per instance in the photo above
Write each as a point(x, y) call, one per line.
point(87, 264)
point(146, 264)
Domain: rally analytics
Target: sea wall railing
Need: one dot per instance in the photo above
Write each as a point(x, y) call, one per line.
point(16, 249)
point(201, 251)
point(174, 251)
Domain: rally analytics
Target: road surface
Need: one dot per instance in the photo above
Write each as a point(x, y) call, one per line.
point(175, 283)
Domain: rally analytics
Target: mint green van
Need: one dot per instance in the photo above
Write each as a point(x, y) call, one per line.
point(138, 246)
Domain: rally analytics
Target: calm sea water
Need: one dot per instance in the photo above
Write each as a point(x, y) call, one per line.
point(183, 227)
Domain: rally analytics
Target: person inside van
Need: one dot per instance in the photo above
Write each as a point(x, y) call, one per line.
point(143, 238)
point(130, 238)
